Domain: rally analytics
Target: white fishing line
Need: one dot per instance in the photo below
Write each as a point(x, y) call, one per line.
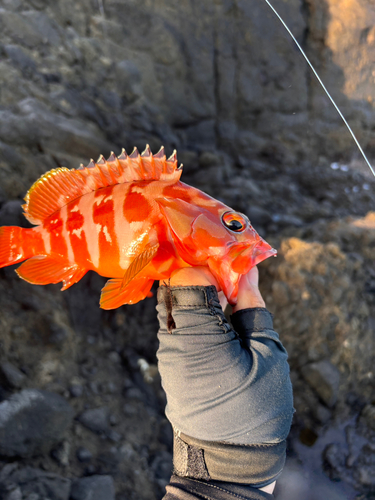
point(322, 84)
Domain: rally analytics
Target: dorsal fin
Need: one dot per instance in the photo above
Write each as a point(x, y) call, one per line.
point(60, 186)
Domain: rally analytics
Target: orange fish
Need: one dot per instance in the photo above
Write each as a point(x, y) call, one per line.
point(131, 219)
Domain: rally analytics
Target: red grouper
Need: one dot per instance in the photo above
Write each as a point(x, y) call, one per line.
point(132, 220)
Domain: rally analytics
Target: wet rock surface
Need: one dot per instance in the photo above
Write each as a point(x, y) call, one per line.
point(222, 83)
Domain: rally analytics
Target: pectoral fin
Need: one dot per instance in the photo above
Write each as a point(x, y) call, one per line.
point(139, 263)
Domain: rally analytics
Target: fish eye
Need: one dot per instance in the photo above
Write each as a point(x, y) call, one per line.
point(234, 221)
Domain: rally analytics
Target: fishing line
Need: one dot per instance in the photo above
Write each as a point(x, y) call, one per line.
point(322, 84)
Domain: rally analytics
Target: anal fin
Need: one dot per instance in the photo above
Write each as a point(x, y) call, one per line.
point(44, 270)
point(131, 288)
point(115, 295)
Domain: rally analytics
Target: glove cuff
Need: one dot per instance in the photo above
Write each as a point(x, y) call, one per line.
point(255, 465)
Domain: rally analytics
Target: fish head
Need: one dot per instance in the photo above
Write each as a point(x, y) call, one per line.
point(233, 247)
point(218, 237)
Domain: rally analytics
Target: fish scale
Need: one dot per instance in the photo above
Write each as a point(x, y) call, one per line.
point(131, 219)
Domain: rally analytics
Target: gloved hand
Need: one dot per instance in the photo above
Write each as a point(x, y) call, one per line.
point(229, 396)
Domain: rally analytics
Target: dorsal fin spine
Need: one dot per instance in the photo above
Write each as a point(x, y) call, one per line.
point(105, 172)
point(112, 171)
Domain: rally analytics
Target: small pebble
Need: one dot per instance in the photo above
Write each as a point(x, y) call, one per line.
point(76, 391)
point(114, 436)
point(83, 454)
point(114, 357)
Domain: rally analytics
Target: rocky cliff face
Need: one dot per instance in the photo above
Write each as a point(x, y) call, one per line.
point(222, 82)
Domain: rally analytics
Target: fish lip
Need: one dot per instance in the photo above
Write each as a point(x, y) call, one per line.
point(272, 252)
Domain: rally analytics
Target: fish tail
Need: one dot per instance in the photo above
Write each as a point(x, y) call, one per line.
point(13, 245)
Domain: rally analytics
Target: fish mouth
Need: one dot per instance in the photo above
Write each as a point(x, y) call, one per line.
point(238, 261)
point(262, 251)
point(249, 257)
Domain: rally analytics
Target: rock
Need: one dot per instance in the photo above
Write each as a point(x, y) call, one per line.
point(334, 458)
point(12, 375)
point(128, 79)
point(83, 454)
point(287, 220)
point(93, 488)
point(35, 484)
point(258, 216)
point(324, 378)
point(61, 453)
point(11, 214)
point(32, 421)
point(162, 465)
point(368, 416)
point(97, 419)
point(114, 436)
point(76, 390)
point(20, 59)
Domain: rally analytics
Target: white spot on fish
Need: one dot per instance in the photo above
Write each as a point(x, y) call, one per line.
point(99, 199)
point(106, 234)
point(85, 207)
point(62, 200)
point(65, 234)
point(217, 251)
point(137, 225)
point(138, 189)
point(77, 232)
point(75, 209)
point(46, 240)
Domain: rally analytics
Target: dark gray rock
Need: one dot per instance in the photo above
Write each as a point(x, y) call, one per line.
point(34, 484)
point(11, 214)
point(12, 375)
point(258, 216)
point(83, 454)
point(97, 419)
point(368, 416)
point(46, 27)
point(324, 378)
point(32, 421)
point(162, 465)
point(287, 220)
point(334, 460)
point(128, 80)
point(93, 488)
point(114, 436)
point(61, 453)
point(76, 390)
point(20, 59)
